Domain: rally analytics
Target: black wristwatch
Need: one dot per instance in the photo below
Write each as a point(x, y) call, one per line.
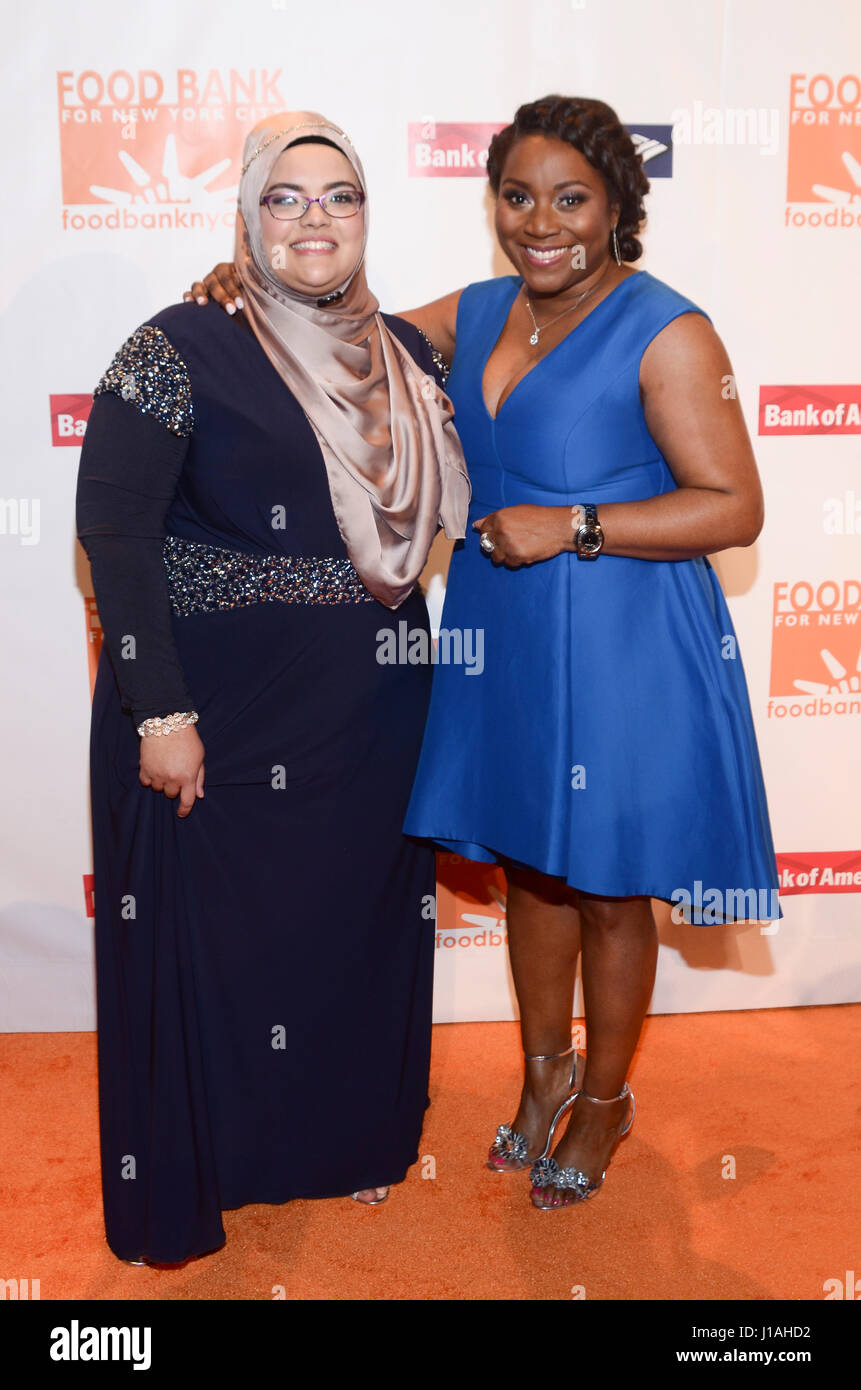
point(589, 538)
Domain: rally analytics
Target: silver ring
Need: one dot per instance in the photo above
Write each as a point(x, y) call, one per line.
point(486, 543)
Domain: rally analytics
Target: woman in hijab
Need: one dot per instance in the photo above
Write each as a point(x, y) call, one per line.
point(257, 496)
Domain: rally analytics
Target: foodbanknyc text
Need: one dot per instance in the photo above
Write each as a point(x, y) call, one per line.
point(455, 646)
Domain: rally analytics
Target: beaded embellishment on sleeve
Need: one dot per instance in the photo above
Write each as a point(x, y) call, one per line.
point(438, 359)
point(149, 373)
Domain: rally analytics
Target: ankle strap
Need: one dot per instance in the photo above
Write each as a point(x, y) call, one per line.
point(550, 1056)
point(625, 1091)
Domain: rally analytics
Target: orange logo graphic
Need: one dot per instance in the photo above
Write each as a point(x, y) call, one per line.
point(816, 649)
point(157, 150)
point(470, 903)
point(824, 149)
point(94, 639)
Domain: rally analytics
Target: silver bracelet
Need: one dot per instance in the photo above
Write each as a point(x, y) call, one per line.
point(155, 727)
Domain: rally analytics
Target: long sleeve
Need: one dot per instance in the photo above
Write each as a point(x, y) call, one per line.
point(135, 443)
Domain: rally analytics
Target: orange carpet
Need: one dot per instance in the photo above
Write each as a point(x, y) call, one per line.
point(775, 1093)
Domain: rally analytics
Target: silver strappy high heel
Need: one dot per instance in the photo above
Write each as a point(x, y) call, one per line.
point(576, 1184)
point(508, 1151)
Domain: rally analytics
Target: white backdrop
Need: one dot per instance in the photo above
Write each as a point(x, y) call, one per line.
point(123, 130)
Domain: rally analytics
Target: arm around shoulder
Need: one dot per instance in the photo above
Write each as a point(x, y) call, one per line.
point(438, 321)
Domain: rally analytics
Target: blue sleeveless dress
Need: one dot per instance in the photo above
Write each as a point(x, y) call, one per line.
point(597, 724)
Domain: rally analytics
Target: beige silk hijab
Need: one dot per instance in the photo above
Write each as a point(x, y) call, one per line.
point(394, 462)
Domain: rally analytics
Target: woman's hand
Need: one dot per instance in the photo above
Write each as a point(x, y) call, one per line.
point(222, 285)
point(173, 764)
point(527, 533)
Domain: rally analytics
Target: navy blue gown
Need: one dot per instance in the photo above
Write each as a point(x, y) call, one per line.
point(264, 966)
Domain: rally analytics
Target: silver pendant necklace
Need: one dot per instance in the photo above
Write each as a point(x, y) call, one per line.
point(533, 337)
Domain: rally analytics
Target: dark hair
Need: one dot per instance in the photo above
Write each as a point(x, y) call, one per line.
point(312, 140)
point(593, 128)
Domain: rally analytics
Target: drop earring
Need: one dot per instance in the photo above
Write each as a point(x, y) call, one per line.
point(616, 248)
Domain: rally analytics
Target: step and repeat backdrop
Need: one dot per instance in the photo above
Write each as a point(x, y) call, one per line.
point(124, 128)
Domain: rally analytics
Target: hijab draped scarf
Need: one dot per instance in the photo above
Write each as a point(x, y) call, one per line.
point(394, 462)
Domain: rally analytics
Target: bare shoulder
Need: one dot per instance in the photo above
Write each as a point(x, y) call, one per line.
point(438, 321)
point(691, 406)
point(687, 346)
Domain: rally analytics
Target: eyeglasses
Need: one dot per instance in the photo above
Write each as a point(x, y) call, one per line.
point(286, 206)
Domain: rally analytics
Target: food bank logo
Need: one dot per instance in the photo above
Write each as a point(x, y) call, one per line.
point(470, 904)
point(810, 410)
point(69, 416)
point(458, 149)
point(816, 649)
point(824, 151)
point(157, 150)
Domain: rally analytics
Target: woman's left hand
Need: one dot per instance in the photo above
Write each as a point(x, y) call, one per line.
point(525, 534)
point(222, 283)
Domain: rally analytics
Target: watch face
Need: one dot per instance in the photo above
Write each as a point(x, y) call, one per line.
point(589, 540)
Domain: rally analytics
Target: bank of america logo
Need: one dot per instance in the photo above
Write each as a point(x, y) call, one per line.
point(458, 149)
point(654, 145)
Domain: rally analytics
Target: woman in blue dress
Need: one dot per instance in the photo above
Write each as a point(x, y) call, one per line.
point(607, 754)
point(256, 495)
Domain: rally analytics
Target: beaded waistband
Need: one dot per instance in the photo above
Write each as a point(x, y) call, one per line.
point(207, 578)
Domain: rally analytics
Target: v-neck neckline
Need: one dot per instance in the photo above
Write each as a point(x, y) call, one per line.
point(493, 418)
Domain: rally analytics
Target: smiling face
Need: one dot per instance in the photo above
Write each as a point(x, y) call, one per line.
point(315, 253)
point(552, 201)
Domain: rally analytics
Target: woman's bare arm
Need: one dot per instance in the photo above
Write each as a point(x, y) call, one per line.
point(695, 419)
point(438, 321)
